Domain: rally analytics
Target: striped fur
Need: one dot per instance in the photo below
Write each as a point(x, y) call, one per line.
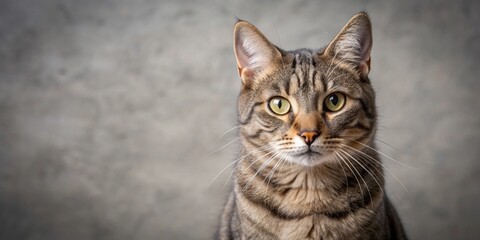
point(284, 188)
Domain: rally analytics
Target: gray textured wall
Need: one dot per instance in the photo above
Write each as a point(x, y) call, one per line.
point(109, 109)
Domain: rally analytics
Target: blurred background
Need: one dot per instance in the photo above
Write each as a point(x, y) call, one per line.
point(110, 110)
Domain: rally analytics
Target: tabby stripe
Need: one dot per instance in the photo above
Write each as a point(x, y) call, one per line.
point(262, 229)
point(233, 208)
point(362, 137)
point(324, 116)
point(356, 205)
point(353, 207)
point(365, 107)
point(276, 87)
point(249, 117)
point(351, 181)
point(360, 126)
point(276, 212)
point(273, 210)
point(344, 119)
point(362, 202)
point(305, 83)
point(261, 177)
point(265, 125)
point(251, 142)
point(294, 63)
point(286, 86)
point(364, 79)
point(314, 72)
point(324, 82)
point(260, 131)
point(314, 78)
point(298, 80)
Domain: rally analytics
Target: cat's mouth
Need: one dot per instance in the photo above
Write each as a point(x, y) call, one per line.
point(311, 152)
point(309, 157)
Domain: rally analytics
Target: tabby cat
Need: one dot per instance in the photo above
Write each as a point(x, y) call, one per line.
point(308, 168)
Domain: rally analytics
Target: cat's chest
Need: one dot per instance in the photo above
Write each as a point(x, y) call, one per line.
point(311, 227)
point(307, 228)
point(259, 221)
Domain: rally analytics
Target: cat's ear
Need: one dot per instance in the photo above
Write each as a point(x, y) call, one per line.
point(354, 43)
point(254, 53)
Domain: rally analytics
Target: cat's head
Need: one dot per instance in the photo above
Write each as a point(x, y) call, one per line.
point(306, 106)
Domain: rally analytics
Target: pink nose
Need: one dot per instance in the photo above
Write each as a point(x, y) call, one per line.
point(309, 137)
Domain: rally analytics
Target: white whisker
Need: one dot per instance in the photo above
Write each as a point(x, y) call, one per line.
point(386, 144)
point(366, 169)
point(360, 175)
point(266, 147)
point(261, 168)
point(222, 147)
point(344, 173)
point(384, 167)
point(215, 178)
point(281, 162)
point(383, 154)
point(346, 163)
point(229, 130)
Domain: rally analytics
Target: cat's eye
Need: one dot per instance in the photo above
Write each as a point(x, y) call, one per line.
point(279, 105)
point(334, 102)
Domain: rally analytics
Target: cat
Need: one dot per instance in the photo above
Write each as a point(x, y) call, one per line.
point(308, 168)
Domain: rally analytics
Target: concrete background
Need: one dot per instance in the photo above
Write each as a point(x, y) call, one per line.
point(109, 110)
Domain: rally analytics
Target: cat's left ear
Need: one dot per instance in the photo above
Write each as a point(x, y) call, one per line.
point(353, 44)
point(256, 56)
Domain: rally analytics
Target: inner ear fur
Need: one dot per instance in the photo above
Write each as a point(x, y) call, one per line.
point(255, 55)
point(353, 44)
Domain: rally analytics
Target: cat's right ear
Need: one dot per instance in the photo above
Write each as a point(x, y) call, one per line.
point(254, 53)
point(353, 44)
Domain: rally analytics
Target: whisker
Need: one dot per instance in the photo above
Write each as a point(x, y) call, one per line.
point(361, 165)
point(383, 154)
point(215, 178)
point(387, 144)
point(346, 163)
point(282, 161)
point(222, 147)
point(229, 130)
point(343, 169)
point(236, 161)
point(391, 174)
point(360, 175)
point(272, 171)
point(384, 167)
point(378, 168)
point(258, 159)
point(266, 147)
point(261, 168)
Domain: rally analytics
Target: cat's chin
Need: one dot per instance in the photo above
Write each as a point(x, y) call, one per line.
point(310, 158)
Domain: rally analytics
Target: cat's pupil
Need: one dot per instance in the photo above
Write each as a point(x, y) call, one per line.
point(334, 99)
point(279, 104)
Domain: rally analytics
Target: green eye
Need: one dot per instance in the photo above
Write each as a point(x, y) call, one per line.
point(279, 105)
point(334, 102)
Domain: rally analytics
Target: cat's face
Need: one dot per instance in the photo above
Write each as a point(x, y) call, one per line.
point(306, 106)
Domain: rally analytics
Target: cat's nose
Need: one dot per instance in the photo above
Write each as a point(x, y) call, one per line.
point(309, 136)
